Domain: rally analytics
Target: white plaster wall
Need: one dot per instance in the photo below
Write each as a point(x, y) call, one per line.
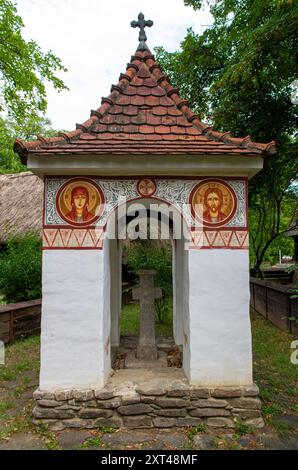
point(220, 334)
point(73, 320)
point(185, 313)
point(106, 295)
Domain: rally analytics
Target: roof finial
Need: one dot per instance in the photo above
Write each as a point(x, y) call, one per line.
point(142, 23)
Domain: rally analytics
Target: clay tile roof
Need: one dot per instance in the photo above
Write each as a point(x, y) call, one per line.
point(143, 114)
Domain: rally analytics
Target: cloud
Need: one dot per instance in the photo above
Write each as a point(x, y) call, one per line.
point(95, 41)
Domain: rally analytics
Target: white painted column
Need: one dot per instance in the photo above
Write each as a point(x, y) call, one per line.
point(75, 349)
point(219, 324)
point(178, 254)
point(115, 260)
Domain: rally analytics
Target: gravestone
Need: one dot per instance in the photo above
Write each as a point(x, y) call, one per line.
point(146, 294)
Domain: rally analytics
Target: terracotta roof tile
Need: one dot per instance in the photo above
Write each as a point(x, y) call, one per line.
point(143, 114)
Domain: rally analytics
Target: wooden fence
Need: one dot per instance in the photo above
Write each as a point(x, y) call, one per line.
point(19, 320)
point(275, 302)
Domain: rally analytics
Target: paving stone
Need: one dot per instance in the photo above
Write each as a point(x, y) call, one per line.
point(274, 442)
point(123, 438)
point(136, 409)
point(71, 439)
point(22, 441)
point(172, 439)
point(289, 421)
point(203, 441)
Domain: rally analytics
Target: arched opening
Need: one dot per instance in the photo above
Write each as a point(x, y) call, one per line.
point(150, 235)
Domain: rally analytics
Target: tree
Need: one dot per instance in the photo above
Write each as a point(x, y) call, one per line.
point(24, 68)
point(238, 73)
point(28, 129)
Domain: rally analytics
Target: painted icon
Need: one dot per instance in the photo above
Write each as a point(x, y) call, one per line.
point(80, 201)
point(213, 202)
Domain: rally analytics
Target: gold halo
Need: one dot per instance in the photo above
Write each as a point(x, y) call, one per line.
point(94, 195)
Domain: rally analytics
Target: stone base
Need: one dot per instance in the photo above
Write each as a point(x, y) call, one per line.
point(147, 353)
point(143, 407)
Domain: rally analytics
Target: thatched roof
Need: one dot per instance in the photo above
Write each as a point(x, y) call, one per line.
point(21, 197)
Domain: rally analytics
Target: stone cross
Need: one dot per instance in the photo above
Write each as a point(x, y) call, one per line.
point(142, 23)
point(146, 294)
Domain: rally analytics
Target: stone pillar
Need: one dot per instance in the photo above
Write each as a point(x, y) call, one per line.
point(146, 294)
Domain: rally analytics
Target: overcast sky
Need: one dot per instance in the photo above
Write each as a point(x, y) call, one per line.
point(95, 41)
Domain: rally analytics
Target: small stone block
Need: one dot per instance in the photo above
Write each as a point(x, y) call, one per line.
point(109, 404)
point(199, 393)
point(172, 402)
point(205, 412)
point(189, 421)
point(251, 391)
point(226, 392)
point(103, 394)
point(83, 395)
point(136, 409)
point(220, 423)
point(137, 421)
point(95, 413)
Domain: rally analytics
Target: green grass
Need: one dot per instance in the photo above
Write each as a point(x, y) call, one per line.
point(21, 366)
point(276, 376)
point(273, 372)
point(20, 356)
point(130, 317)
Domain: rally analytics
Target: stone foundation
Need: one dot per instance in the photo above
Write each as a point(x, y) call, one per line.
point(146, 407)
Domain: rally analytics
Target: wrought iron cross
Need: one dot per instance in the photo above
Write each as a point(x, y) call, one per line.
point(142, 23)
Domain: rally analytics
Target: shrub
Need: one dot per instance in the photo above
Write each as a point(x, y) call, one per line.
point(20, 269)
point(148, 254)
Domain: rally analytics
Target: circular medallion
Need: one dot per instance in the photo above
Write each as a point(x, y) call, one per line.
point(213, 202)
point(146, 187)
point(80, 201)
